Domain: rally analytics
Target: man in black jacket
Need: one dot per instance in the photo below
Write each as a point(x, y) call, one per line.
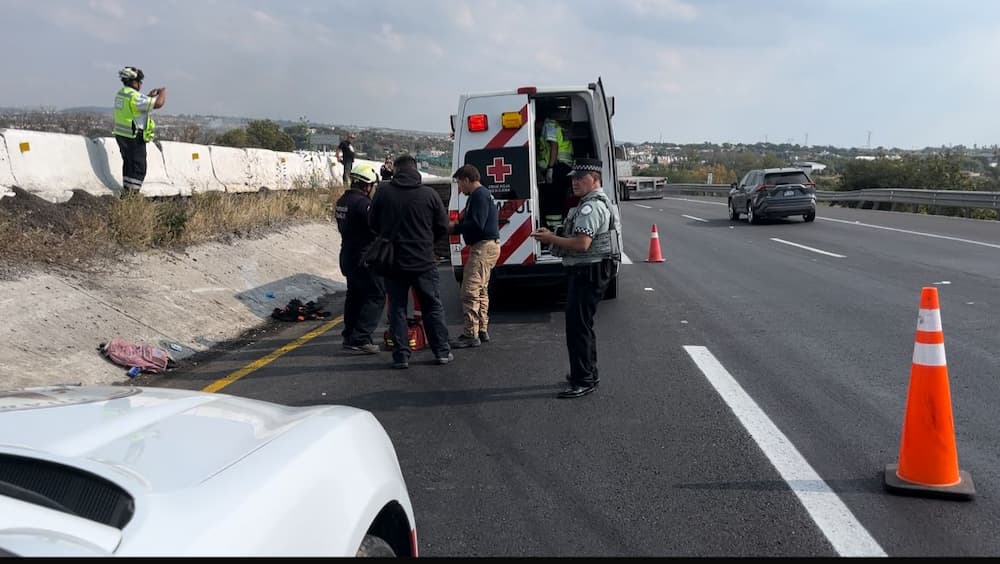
point(413, 217)
point(365, 291)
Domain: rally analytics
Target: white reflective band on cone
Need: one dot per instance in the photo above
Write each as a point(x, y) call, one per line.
point(929, 355)
point(929, 320)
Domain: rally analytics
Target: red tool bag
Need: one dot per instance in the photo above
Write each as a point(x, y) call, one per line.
point(414, 329)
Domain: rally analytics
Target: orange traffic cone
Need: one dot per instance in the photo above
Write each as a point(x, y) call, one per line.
point(928, 459)
point(654, 247)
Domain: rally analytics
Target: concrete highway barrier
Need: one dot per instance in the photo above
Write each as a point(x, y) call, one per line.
point(52, 165)
point(190, 167)
point(232, 168)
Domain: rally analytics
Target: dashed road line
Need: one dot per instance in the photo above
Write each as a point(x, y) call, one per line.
point(783, 242)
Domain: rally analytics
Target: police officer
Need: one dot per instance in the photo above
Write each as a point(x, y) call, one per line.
point(589, 247)
point(134, 126)
point(365, 298)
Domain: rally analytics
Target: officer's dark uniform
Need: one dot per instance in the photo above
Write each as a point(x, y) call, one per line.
point(365, 290)
point(588, 275)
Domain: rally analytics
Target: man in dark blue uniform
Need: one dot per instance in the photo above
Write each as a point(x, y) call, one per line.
point(365, 290)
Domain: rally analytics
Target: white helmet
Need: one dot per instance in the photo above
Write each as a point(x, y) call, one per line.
point(364, 173)
point(128, 74)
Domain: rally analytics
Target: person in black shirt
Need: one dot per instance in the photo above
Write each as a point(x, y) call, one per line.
point(412, 216)
point(345, 153)
point(365, 298)
point(480, 227)
point(386, 172)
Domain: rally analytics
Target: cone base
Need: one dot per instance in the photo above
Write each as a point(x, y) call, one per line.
point(654, 260)
point(964, 490)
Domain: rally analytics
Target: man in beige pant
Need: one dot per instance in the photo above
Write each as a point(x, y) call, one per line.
point(480, 228)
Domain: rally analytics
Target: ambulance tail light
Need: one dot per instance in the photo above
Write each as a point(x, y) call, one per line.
point(453, 216)
point(478, 122)
point(527, 90)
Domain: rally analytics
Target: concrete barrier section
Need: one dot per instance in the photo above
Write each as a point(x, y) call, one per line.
point(264, 169)
point(157, 181)
point(232, 168)
point(293, 171)
point(318, 167)
point(6, 176)
point(52, 165)
point(189, 166)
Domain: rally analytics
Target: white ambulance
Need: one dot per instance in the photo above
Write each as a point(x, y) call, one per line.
point(496, 133)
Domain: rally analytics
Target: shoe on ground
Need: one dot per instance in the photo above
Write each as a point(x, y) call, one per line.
point(570, 381)
point(401, 365)
point(484, 337)
point(575, 391)
point(464, 342)
point(369, 348)
point(445, 359)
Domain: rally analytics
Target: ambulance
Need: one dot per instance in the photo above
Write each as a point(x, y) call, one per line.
point(496, 132)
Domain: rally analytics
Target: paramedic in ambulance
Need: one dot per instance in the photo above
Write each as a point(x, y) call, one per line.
point(587, 246)
point(555, 157)
point(480, 228)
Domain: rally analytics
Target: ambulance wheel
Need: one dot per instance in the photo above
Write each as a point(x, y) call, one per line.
point(611, 292)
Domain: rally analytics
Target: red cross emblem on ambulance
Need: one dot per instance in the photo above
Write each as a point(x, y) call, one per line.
point(499, 170)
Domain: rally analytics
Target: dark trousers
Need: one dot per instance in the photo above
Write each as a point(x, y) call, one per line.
point(348, 165)
point(364, 302)
point(553, 197)
point(426, 285)
point(586, 286)
point(133, 163)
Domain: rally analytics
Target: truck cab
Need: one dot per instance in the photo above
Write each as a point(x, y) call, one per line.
point(496, 132)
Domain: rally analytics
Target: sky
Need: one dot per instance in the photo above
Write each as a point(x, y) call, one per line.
point(900, 73)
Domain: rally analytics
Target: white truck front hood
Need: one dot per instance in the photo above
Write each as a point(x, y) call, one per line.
point(141, 432)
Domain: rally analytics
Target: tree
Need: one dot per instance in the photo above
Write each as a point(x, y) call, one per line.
point(301, 134)
point(265, 134)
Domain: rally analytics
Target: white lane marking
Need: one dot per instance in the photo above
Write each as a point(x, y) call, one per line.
point(695, 218)
point(697, 201)
point(922, 234)
point(648, 289)
point(642, 206)
point(625, 259)
point(782, 241)
point(832, 516)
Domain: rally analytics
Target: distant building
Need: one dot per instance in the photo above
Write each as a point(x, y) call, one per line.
point(810, 167)
point(325, 141)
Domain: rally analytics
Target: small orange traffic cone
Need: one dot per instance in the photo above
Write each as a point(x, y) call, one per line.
point(654, 247)
point(928, 459)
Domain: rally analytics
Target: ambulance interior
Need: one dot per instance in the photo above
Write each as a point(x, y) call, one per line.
point(572, 113)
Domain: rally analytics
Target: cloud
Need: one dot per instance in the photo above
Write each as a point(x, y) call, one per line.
point(726, 70)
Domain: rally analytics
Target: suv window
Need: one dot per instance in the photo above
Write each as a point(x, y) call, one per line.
point(779, 178)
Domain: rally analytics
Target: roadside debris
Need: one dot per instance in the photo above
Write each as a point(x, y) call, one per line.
point(297, 311)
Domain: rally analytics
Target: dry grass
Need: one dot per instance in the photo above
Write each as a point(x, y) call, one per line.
point(88, 229)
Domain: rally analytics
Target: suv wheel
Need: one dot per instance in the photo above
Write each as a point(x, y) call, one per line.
point(809, 216)
point(733, 214)
point(751, 217)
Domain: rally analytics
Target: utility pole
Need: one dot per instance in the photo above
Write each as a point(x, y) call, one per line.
point(807, 140)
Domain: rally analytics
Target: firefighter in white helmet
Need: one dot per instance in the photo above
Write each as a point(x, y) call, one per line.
point(365, 299)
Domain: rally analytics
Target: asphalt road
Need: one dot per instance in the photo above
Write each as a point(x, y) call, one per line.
point(752, 390)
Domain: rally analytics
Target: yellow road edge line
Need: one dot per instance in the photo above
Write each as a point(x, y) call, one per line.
point(271, 357)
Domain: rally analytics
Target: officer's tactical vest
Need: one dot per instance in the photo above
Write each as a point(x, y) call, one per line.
point(126, 114)
point(605, 242)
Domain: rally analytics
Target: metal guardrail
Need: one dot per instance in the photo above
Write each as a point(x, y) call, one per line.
point(940, 198)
